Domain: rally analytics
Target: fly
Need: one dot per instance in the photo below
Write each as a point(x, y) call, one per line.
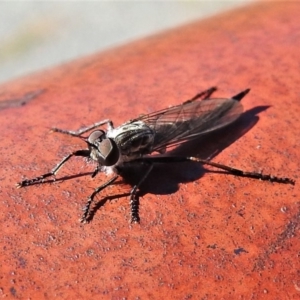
point(135, 141)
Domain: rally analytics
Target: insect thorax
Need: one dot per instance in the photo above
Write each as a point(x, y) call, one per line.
point(133, 138)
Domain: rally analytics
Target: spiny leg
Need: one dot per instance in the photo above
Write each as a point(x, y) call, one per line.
point(207, 93)
point(234, 171)
point(39, 179)
point(96, 171)
point(238, 172)
point(80, 131)
point(134, 204)
point(241, 95)
point(101, 203)
point(204, 95)
point(86, 210)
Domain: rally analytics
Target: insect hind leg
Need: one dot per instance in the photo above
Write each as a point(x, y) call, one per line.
point(203, 95)
point(230, 170)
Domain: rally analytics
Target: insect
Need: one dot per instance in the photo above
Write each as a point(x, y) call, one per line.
point(134, 141)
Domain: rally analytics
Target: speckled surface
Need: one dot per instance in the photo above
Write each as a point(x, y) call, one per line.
point(202, 234)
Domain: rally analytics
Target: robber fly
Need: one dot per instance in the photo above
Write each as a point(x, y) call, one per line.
point(134, 141)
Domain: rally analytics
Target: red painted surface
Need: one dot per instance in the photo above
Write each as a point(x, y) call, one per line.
point(202, 235)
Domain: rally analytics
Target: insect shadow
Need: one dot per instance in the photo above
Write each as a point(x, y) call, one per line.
point(166, 177)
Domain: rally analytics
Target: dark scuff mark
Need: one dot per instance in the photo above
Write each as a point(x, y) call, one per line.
point(240, 250)
point(213, 246)
point(13, 291)
point(291, 230)
point(20, 101)
point(22, 262)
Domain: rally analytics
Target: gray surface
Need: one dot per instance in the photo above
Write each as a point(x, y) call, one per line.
point(36, 35)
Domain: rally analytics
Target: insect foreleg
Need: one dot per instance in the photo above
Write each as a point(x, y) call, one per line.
point(39, 179)
point(82, 130)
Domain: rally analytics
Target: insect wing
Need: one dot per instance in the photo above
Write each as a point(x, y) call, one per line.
point(175, 125)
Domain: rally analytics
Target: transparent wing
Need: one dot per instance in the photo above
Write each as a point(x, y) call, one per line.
point(177, 124)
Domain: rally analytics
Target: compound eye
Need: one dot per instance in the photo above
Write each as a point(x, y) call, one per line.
point(108, 152)
point(97, 135)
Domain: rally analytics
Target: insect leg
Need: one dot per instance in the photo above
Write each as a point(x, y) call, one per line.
point(203, 95)
point(39, 179)
point(134, 205)
point(238, 172)
point(242, 173)
point(86, 210)
point(80, 131)
point(96, 171)
point(241, 95)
